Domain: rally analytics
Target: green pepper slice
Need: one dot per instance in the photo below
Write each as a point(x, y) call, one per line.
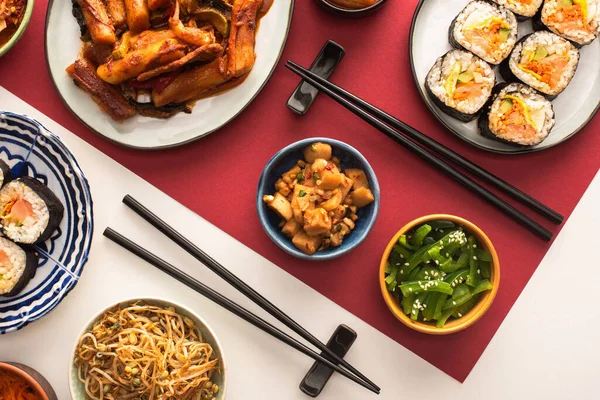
point(473, 264)
point(444, 317)
point(462, 310)
point(460, 296)
point(430, 304)
point(407, 302)
point(482, 286)
point(485, 269)
point(420, 234)
point(403, 240)
point(462, 262)
point(438, 306)
point(417, 305)
point(425, 286)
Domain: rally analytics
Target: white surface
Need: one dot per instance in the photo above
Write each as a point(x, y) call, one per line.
point(63, 45)
point(572, 108)
point(546, 348)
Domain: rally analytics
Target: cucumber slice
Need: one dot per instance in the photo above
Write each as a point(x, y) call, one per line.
point(505, 106)
point(540, 53)
point(465, 77)
point(504, 34)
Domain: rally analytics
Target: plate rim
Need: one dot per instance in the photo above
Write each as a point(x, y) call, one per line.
point(70, 285)
point(436, 112)
point(167, 146)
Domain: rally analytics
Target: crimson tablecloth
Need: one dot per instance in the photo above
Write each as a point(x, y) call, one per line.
point(201, 175)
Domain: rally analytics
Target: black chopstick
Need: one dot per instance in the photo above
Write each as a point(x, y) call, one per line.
point(226, 303)
point(456, 174)
point(425, 140)
point(237, 283)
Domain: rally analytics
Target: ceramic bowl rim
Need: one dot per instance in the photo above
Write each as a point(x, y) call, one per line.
point(150, 300)
point(20, 30)
point(7, 366)
point(351, 12)
point(282, 154)
point(476, 312)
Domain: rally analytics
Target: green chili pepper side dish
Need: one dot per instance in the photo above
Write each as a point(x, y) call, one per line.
point(438, 272)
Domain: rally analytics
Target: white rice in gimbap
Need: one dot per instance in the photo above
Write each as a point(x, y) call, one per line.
point(575, 20)
point(544, 61)
point(524, 8)
point(17, 267)
point(518, 115)
point(460, 83)
point(29, 211)
point(486, 30)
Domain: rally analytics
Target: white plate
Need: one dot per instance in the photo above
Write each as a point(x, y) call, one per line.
point(63, 45)
point(574, 108)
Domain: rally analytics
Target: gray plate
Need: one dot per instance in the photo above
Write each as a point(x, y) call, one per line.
point(574, 108)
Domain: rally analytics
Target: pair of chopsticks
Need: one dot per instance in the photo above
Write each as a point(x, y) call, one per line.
point(240, 285)
point(427, 148)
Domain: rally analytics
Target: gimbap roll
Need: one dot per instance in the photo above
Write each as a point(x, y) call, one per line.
point(5, 173)
point(17, 267)
point(485, 30)
point(29, 211)
point(544, 61)
point(517, 115)
point(523, 9)
point(575, 20)
point(460, 84)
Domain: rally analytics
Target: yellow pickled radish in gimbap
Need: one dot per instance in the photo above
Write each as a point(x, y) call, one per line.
point(575, 20)
point(521, 8)
point(517, 115)
point(5, 173)
point(29, 211)
point(544, 61)
point(488, 31)
point(17, 267)
point(460, 84)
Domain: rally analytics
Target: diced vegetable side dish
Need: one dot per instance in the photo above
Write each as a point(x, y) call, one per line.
point(317, 201)
point(438, 272)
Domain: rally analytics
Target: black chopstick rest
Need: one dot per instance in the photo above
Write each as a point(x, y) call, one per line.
point(305, 94)
point(318, 375)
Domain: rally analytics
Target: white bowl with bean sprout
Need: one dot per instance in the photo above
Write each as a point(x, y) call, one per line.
point(147, 349)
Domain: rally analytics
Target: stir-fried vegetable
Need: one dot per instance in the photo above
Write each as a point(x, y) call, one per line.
point(317, 201)
point(194, 49)
point(437, 272)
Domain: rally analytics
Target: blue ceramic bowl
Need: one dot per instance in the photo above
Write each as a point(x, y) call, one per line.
point(281, 163)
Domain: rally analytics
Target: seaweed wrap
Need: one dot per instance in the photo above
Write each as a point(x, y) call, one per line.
point(523, 9)
point(544, 61)
point(5, 173)
point(17, 267)
point(575, 20)
point(488, 31)
point(29, 211)
point(517, 115)
point(460, 84)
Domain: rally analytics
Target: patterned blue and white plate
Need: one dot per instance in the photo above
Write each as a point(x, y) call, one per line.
point(30, 149)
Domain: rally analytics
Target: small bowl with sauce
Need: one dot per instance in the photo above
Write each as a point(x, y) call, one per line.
point(351, 8)
point(21, 378)
point(13, 22)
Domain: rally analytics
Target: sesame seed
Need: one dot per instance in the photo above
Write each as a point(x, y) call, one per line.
point(459, 314)
point(401, 256)
point(410, 289)
point(474, 257)
point(474, 246)
point(401, 271)
point(407, 264)
point(478, 271)
point(453, 302)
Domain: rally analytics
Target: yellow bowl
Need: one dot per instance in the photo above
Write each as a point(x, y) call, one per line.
point(454, 325)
